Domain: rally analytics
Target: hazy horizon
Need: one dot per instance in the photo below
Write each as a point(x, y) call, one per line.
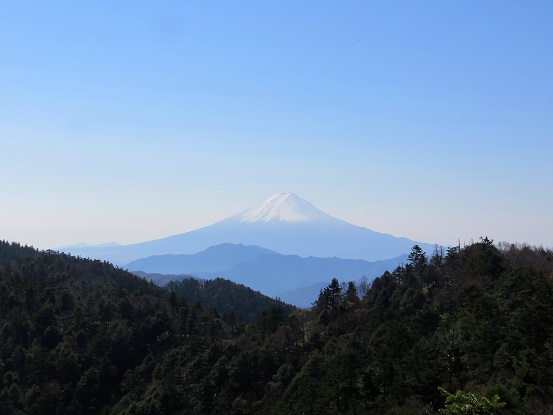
point(134, 121)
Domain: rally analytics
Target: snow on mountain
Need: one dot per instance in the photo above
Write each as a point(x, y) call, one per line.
point(283, 207)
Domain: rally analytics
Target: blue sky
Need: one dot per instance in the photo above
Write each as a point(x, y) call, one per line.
point(131, 121)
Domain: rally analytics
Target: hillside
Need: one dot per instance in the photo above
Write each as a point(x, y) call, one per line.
point(80, 336)
point(225, 296)
point(71, 329)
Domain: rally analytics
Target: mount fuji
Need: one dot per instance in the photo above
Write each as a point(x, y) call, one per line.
point(285, 223)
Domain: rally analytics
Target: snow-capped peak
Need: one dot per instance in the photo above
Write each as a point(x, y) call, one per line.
point(283, 207)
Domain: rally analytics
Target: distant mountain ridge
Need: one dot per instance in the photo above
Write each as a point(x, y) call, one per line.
point(292, 278)
point(87, 245)
point(213, 259)
point(284, 223)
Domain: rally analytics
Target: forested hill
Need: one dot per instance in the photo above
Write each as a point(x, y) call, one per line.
point(72, 328)
point(231, 299)
point(477, 319)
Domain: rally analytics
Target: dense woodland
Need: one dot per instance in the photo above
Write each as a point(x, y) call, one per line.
point(82, 336)
point(233, 301)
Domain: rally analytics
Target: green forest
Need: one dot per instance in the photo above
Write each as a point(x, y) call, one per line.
point(467, 330)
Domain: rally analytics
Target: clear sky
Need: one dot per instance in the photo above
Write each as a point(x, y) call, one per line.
point(132, 120)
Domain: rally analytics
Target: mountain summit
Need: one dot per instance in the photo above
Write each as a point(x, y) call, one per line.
point(283, 207)
point(284, 223)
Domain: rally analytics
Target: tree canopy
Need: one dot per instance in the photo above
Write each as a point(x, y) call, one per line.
point(82, 336)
